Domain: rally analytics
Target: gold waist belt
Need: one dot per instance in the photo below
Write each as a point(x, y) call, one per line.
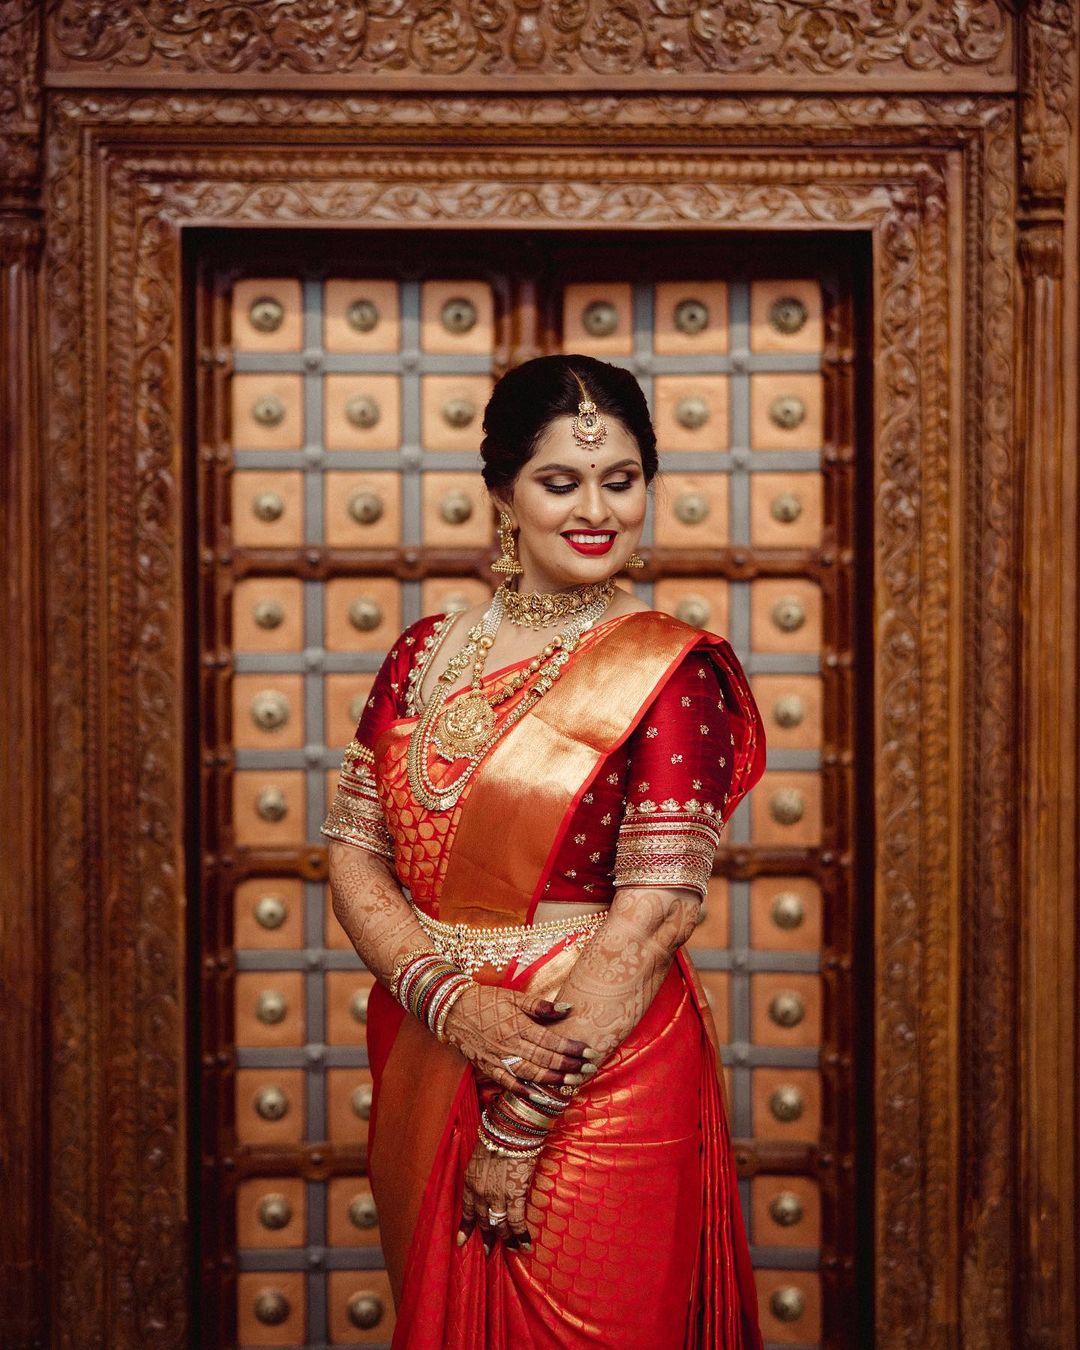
point(470, 948)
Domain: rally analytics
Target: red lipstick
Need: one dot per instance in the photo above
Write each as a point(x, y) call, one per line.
point(592, 543)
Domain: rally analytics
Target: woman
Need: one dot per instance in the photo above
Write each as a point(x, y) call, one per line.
point(548, 776)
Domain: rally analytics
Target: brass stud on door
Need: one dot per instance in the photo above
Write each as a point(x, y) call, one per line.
point(270, 710)
point(691, 413)
point(788, 1303)
point(691, 317)
point(788, 910)
point(274, 1211)
point(268, 411)
point(788, 314)
point(458, 412)
point(600, 318)
point(270, 805)
point(786, 508)
point(365, 1310)
point(269, 614)
point(789, 613)
point(362, 411)
point(787, 806)
point(786, 1209)
point(268, 507)
point(361, 1101)
point(787, 412)
point(267, 314)
point(458, 315)
point(270, 911)
point(789, 711)
point(271, 1307)
point(365, 508)
point(692, 508)
point(786, 1103)
point(362, 1211)
point(271, 1103)
point(271, 1007)
point(362, 315)
point(364, 614)
point(358, 1005)
point(694, 610)
point(787, 1009)
point(456, 508)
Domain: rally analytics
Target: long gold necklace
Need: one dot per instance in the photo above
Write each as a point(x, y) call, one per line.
point(468, 727)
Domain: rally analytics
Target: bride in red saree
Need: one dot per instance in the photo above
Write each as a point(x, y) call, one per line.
point(547, 778)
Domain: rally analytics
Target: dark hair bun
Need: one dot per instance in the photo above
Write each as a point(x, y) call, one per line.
point(532, 395)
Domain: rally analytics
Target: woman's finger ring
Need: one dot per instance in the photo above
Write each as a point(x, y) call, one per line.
point(511, 1062)
point(496, 1216)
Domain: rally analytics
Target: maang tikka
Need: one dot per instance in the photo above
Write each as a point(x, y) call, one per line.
point(588, 427)
point(506, 564)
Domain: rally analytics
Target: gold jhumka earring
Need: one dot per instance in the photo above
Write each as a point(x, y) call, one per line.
point(506, 564)
point(634, 560)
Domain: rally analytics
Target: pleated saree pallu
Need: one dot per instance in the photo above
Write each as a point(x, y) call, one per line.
point(637, 1232)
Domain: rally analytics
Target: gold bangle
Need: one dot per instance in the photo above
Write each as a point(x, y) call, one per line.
point(404, 961)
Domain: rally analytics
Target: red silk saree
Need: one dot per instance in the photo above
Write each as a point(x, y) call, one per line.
point(638, 1238)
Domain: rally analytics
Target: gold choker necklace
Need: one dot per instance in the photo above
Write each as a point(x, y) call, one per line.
point(541, 609)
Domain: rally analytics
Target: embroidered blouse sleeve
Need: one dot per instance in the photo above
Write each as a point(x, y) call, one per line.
point(356, 813)
point(680, 775)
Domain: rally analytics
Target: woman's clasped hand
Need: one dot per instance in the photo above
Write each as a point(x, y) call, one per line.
point(490, 1026)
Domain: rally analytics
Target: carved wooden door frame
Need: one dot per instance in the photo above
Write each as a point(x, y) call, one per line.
point(931, 181)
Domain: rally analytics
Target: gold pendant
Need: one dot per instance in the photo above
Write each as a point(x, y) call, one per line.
point(463, 726)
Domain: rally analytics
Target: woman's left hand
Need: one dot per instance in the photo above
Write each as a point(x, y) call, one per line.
point(496, 1190)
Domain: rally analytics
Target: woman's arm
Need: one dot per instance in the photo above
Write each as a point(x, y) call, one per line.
point(486, 1023)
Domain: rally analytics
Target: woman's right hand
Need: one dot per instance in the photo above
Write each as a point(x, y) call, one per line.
point(489, 1024)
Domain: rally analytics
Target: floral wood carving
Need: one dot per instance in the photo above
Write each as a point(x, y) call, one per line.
point(1048, 98)
point(120, 769)
point(571, 38)
point(20, 93)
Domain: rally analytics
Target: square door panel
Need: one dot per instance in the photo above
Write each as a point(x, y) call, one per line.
point(789, 1306)
point(702, 602)
point(786, 1104)
point(268, 411)
point(691, 318)
point(457, 511)
point(457, 316)
point(791, 710)
point(786, 510)
point(785, 914)
point(452, 411)
point(344, 697)
point(279, 1293)
point(363, 614)
point(268, 808)
point(268, 1007)
point(691, 412)
point(268, 913)
point(269, 1106)
point(787, 411)
point(717, 986)
point(362, 510)
point(352, 1219)
point(361, 316)
point(692, 511)
point(334, 936)
point(785, 1009)
point(361, 412)
point(713, 930)
point(361, 1307)
point(785, 615)
point(271, 1212)
point(785, 316)
point(267, 509)
point(785, 1211)
point(268, 712)
point(785, 810)
point(348, 1105)
point(268, 614)
point(598, 319)
point(347, 994)
point(267, 315)
point(442, 595)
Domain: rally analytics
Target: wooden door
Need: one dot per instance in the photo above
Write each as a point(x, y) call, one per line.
point(339, 500)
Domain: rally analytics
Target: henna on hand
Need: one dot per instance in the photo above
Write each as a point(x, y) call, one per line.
point(502, 1185)
point(488, 1024)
